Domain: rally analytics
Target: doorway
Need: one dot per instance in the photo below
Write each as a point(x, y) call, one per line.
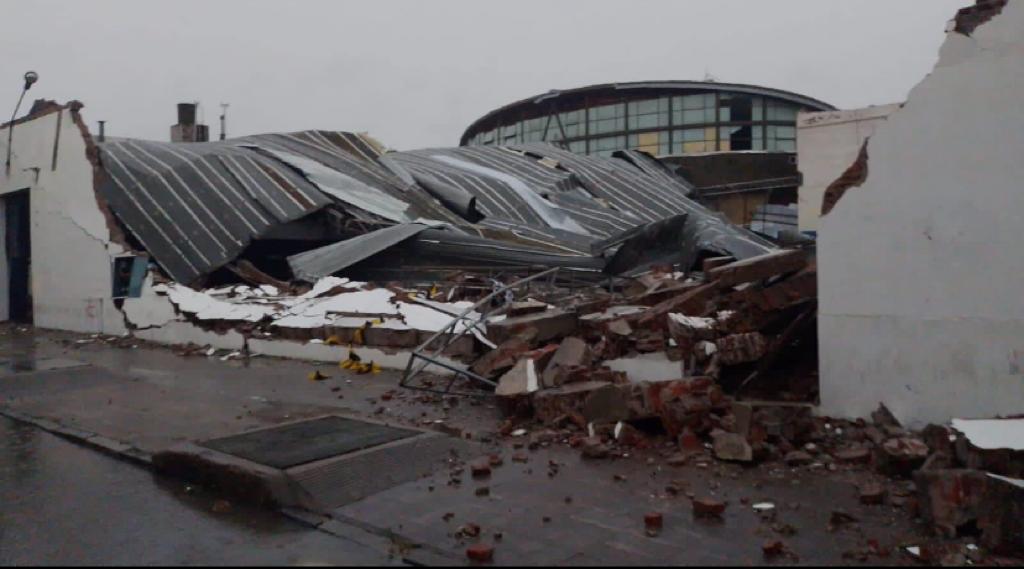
point(18, 248)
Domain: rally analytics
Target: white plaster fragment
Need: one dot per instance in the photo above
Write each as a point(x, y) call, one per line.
point(992, 433)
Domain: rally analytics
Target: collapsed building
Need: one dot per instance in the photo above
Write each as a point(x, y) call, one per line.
point(592, 294)
point(223, 243)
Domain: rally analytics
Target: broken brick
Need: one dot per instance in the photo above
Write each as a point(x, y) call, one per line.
point(480, 553)
point(758, 268)
point(653, 522)
point(692, 302)
point(732, 447)
point(481, 468)
point(503, 357)
point(572, 352)
point(707, 507)
point(901, 456)
point(550, 325)
point(773, 548)
point(741, 348)
point(853, 455)
point(872, 493)
point(592, 447)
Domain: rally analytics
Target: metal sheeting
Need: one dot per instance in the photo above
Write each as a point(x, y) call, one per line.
point(415, 245)
point(324, 261)
point(629, 189)
point(195, 207)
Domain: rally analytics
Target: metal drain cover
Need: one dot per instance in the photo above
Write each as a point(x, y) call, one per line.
point(307, 441)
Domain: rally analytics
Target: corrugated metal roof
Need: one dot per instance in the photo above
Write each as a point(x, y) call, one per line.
point(196, 206)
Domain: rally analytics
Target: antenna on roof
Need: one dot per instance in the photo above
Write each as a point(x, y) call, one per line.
point(708, 76)
point(224, 120)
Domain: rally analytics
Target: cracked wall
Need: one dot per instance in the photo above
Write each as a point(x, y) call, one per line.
point(919, 267)
point(827, 144)
point(72, 249)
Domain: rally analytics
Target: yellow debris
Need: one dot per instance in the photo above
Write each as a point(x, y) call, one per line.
point(315, 375)
point(333, 340)
point(355, 364)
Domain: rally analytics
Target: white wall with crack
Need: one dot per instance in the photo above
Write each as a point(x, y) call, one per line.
point(920, 266)
point(71, 246)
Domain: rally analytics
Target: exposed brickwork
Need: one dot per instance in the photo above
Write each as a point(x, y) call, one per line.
point(854, 176)
point(969, 18)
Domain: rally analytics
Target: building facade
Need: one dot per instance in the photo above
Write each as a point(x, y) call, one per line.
point(658, 117)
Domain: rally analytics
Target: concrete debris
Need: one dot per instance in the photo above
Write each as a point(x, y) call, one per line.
point(732, 447)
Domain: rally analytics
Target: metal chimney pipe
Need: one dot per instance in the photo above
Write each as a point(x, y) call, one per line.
point(103, 131)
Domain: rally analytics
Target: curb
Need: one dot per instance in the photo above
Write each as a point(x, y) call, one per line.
point(110, 447)
point(419, 554)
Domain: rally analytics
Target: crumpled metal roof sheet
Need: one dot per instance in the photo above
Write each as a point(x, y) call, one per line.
point(195, 207)
point(329, 259)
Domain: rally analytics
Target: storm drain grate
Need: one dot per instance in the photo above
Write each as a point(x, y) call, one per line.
point(307, 441)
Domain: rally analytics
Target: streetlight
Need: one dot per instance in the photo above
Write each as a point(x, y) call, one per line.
point(30, 78)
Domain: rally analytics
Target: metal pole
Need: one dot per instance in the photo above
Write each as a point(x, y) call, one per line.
point(10, 129)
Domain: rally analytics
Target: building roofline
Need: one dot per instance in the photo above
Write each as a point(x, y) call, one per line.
point(670, 84)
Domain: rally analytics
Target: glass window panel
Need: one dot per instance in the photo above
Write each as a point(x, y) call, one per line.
point(607, 111)
point(694, 117)
point(690, 134)
point(691, 147)
point(785, 145)
point(579, 147)
point(785, 132)
point(724, 113)
point(693, 102)
point(757, 108)
point(608, 143)
point(608, 125)
point(646, 121)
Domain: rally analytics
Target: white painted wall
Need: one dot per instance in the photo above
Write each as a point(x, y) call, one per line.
point(71, 248)
point(827, 143)
point(921, 268)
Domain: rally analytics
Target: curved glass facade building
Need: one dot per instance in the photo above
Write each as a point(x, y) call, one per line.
point(659, 117)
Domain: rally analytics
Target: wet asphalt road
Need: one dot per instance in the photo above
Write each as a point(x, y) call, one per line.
point(64, 504)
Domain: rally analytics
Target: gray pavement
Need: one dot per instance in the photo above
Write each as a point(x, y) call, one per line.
point(148, 399)
point(64, 504)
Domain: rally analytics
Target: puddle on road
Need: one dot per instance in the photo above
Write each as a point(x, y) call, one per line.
point(24, 365)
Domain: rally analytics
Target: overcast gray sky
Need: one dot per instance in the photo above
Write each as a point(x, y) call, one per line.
point(415, 73)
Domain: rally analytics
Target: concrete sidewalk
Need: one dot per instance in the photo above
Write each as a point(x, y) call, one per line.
point(555, 508)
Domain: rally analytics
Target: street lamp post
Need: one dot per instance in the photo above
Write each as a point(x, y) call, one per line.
point(30, 78)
